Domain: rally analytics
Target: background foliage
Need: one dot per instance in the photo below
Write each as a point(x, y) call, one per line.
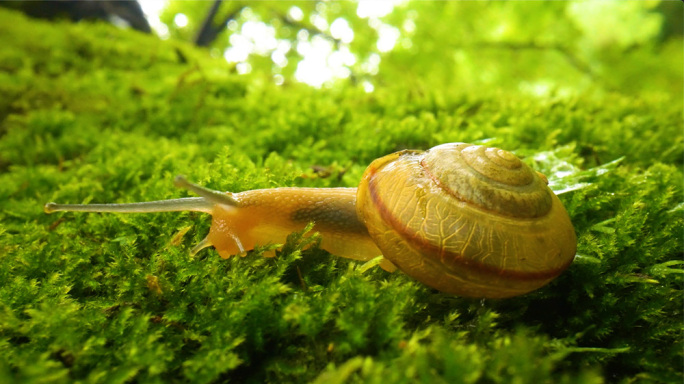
point(92, 113)
point(585, 46)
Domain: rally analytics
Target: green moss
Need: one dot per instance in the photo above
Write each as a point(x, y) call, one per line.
point(89, 113)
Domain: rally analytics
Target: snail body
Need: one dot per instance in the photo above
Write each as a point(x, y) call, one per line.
point(464, 219)
point(265, 216)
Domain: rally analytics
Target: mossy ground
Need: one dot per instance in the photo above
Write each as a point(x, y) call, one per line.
point(89, 113)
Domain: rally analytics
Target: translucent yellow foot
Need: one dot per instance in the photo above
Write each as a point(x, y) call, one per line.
point(381, 261)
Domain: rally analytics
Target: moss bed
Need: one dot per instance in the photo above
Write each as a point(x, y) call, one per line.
point(91, 113)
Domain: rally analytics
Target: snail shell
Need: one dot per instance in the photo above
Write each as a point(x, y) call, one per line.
point(467, 220)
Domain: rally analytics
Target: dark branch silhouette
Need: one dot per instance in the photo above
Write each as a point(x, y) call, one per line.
point(129, 11)
point(209, 31)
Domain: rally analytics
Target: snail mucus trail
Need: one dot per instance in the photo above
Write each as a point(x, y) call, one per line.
point(464, 219)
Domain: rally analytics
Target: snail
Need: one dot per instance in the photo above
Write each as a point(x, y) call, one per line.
point(464, 219)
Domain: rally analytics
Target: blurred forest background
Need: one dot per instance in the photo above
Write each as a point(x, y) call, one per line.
point(630, 47)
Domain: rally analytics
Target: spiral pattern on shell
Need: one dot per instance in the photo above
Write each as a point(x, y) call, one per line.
point(490, 178)
point(466, 219)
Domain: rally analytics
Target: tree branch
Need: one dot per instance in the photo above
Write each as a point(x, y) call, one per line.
point(209, 30)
